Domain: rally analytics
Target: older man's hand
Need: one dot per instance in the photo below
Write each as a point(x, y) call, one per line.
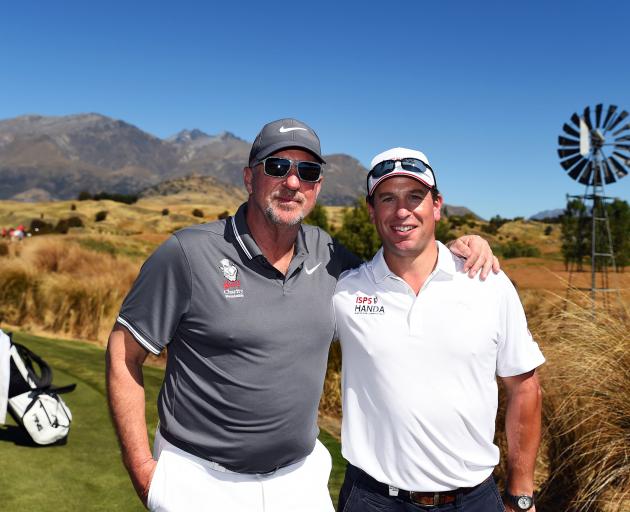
point(478, 255)
point(141, 477)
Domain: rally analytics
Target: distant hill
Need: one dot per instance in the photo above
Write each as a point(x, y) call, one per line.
point(459, 211)
point(58, 157)
point(548, 214)
point(204, 185)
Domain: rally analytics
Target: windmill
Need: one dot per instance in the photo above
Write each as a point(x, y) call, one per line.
point(595, 151)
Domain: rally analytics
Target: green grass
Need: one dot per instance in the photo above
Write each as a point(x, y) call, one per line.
point(113, 249)
point(86, 473)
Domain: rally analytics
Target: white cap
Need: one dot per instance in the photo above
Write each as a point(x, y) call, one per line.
point(425, 176)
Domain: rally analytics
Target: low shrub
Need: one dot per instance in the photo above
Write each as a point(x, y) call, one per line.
point(516, 249)
point(100, 216)
point(41, 227)
point(197, 212)
point(165, 211)
point(75, 222)
point(62, 226)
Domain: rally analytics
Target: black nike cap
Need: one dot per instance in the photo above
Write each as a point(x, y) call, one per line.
point(281, 134)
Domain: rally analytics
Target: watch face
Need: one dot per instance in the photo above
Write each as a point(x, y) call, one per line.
point(524, 502)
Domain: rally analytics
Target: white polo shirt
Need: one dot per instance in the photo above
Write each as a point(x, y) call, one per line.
point(419, 372)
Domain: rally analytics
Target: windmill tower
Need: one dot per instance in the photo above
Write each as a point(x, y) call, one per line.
point(595, 151)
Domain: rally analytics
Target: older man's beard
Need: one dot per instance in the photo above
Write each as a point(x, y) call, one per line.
point(273, 217)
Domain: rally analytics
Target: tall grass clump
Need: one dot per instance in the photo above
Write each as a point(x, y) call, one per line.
point(57, 286)
point(330, 403)
point(18, 283)
point(586, 383)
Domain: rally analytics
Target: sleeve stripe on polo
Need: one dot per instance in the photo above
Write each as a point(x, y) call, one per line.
point(139, 338)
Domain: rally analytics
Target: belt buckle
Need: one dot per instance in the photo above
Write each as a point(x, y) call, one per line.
point(436, 499)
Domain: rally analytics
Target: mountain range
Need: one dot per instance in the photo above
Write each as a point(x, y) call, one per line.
point(44, 158)
point(48, 158)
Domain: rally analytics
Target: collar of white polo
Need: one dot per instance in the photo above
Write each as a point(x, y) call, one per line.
point(445, 264)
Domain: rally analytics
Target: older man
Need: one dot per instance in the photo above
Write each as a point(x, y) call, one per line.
point(422, 346)
point(244, 307)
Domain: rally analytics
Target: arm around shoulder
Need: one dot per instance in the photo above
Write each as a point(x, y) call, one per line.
point(478, 254)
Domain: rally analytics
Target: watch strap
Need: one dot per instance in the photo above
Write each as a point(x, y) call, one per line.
point(520, 501)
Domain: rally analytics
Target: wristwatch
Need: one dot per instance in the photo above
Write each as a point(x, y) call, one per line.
point(520, 502)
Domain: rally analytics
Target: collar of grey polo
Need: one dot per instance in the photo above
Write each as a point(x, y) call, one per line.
point(246, 241)
point(445, 263)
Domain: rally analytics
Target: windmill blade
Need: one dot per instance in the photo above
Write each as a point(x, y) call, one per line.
point(618, 119)
point(563, 141)
point(609, 177)
point(587, 176)
point(619, 170)
point(563, 153)
point(587, 118)
point(622, 146)
point(575, 172)
point(624, 127)
point(625, 158)
point(625, 137)
point(570, 162)
point(576, 119)
point(570, 131)
point(598, 115)
point(611, 110)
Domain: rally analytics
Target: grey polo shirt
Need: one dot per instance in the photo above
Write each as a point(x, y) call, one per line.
point(247, 345)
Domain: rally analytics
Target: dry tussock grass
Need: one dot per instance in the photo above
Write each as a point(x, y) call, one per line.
point(55, 256)
point(330, 403)
point(62, 288)
point(586, 383)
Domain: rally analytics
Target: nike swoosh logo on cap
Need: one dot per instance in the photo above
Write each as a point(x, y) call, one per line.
point(309, 271)
point(282, 129)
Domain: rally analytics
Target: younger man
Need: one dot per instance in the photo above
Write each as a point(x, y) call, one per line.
point(422, 345)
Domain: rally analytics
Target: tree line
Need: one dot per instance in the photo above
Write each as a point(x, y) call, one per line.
point(577, 222)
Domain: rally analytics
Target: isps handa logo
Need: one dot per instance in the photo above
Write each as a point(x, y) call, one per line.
point(231, 285)
point(368, 305)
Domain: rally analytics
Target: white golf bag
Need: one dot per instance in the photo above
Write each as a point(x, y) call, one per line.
point(32, 400)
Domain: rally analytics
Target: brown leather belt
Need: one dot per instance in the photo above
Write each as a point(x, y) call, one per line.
point(426, 499)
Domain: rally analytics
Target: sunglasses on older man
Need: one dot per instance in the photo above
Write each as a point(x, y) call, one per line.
point(278, 167)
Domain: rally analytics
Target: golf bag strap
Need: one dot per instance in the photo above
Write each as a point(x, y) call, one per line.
point(62, 389)
point(45, 378)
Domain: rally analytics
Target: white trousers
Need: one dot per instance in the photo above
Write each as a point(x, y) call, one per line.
point(184, 482)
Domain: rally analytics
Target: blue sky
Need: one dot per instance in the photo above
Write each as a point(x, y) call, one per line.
point(483, 88)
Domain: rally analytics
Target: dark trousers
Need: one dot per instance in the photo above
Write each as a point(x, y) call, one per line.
point(361, 493)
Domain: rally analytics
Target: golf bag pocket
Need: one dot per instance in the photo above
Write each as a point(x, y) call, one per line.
point(44, 415)
point(33, 402)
